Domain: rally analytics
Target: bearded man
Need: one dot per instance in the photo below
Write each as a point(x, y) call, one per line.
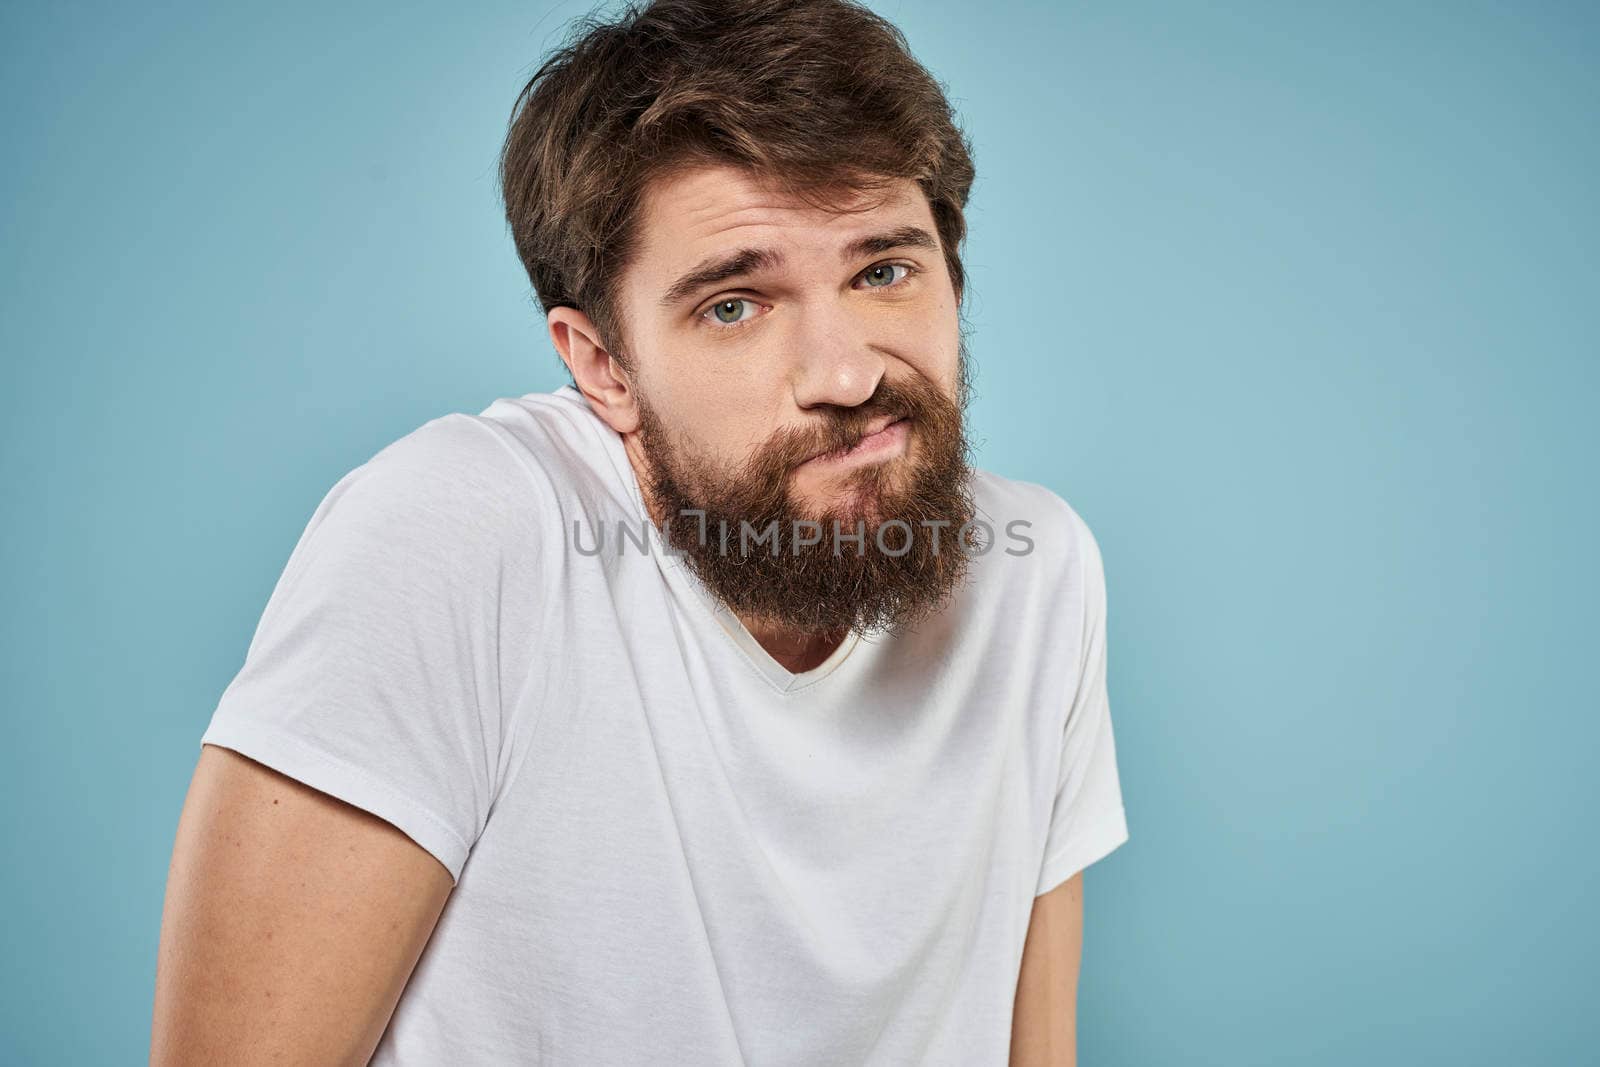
point(711, 708)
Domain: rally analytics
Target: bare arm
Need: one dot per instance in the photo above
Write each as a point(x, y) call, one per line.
point(291, 925)
point(1044, 1024)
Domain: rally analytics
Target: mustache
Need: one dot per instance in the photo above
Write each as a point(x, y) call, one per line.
point(839, 430)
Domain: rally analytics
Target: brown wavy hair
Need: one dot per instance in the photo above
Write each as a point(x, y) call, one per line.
point(816, 96)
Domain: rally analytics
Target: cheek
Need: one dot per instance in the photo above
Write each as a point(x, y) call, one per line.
point(727, 401)
point(935, 350)
point(722, 421)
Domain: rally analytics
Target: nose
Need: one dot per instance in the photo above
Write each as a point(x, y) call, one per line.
point(835, 364)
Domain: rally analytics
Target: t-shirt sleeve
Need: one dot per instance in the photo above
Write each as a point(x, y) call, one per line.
point(382, 670)
point(1087, 820)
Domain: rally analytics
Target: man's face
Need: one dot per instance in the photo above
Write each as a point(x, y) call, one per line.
point(792, 362)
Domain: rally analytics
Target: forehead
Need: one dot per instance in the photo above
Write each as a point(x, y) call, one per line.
point(689, 214)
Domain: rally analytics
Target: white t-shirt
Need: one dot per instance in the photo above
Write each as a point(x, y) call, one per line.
point(666, 847)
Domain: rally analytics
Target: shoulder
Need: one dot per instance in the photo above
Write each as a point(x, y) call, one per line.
point(1034, 523)
point(448, 497)
point(538, 447)
point(576, 458)
point(509, 478)
point(453, 469)
point(1044, 576)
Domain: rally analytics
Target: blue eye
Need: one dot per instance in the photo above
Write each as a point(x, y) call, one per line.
point(729, 312)
point(737, 310)
point(882, 276)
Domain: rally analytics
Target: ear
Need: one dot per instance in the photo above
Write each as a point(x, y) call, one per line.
point(596, 372)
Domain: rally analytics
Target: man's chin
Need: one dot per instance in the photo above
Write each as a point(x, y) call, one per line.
point(847, 506)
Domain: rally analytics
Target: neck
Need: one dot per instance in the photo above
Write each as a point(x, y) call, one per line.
point(797, 650)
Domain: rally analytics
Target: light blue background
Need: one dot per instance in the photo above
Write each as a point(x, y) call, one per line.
point(1296, 304)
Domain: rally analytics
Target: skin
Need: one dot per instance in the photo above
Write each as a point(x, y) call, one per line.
point(293, 920)
point(1044, 1019)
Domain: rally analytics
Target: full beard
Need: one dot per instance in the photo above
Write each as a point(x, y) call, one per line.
point(761, 551)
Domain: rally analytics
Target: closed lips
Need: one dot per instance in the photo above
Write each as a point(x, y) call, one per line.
point(874, 428)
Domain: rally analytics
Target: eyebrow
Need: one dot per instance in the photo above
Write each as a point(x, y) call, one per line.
point(750, 260)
